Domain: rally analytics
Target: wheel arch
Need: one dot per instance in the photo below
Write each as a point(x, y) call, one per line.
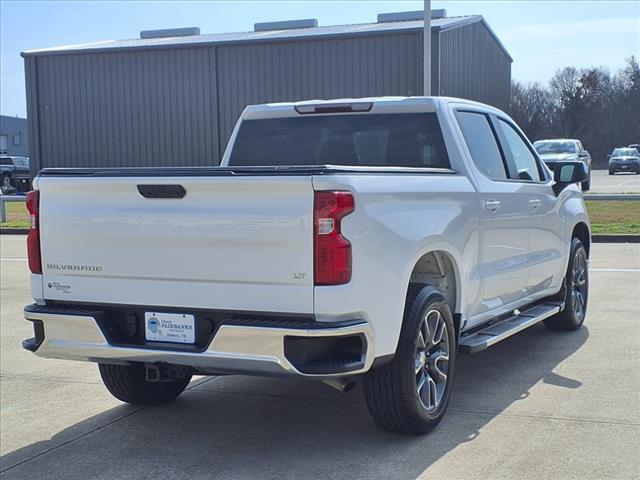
point(581, 231)
point(440, 269)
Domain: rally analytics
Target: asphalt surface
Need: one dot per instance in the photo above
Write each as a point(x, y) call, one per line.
point(539, 405)
point(602, 182)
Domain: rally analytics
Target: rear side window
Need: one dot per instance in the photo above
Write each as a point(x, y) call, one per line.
point(395, 140)
point(523, 158)
point(482, 144)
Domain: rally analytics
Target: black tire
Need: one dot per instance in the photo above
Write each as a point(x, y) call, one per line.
point(128, 383)
point(576, 291)
point(392, 390)
point(586, 186)
point(611, 172)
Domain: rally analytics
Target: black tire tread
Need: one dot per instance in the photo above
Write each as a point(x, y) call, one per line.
point(390, 409)
point(128, 384)
point(565, 320)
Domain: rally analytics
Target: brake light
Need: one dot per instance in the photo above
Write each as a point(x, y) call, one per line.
point(33, 238)
point(332, 252)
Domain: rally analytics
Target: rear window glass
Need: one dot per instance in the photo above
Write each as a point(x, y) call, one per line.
point(396, 140)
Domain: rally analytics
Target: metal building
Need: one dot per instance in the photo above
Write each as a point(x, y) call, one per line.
point(14, 136)
point(172, 97)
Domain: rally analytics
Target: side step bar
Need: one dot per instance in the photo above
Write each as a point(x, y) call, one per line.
point(496, 332)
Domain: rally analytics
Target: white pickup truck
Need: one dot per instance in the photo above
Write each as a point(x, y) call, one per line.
point(365, 239)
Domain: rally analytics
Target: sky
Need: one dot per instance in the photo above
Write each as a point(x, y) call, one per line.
point(541, 36)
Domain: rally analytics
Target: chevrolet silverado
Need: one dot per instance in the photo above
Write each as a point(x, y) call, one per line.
point(344, 240)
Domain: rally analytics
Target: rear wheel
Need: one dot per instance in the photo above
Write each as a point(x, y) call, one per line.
point(129, 384)
point(576, 291)
point(611, 172)
point(410, 394)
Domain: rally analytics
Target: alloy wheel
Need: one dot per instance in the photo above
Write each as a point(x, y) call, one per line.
point(579, 284)
point(432, 360)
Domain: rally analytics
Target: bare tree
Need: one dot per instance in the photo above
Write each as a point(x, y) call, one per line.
point(600, 109)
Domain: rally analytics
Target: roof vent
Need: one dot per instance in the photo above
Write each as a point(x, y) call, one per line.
point(407, 16)
point(285, 25)
point(170, 32)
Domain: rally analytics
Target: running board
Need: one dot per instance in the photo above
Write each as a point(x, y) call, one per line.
point(496, 332)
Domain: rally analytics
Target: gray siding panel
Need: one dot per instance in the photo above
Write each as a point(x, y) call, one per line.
point(474, 66)
point(17, 131)
point(319, 69)
point(149, 108)
point(177, 106)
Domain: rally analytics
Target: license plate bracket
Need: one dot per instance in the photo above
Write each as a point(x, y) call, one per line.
point(169, 327)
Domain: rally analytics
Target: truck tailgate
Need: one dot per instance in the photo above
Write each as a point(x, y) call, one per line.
point(242, 243)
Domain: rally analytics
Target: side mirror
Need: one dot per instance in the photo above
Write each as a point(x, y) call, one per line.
point(609, 156)
point(566, 173)
point(584, 154)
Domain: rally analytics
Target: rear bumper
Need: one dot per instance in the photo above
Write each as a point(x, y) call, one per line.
point(624, 166)
point(318, 349)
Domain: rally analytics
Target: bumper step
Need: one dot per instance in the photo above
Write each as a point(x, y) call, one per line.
point(499, 330)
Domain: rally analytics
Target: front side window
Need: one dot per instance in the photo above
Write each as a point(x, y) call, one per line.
point(482, 144)
point(396, 140)
point(523, 158)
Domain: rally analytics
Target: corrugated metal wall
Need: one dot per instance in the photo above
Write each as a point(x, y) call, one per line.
point(17, 135)
point(140, 108)
point(473, 66)
point(178, 106)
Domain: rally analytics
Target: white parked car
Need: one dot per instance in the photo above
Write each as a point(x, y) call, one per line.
point(367, 239)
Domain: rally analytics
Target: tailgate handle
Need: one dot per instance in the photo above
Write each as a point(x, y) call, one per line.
point(162, 191)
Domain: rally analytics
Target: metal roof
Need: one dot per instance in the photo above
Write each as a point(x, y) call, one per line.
point(263, 36)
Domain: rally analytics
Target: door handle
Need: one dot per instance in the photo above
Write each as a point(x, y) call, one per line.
point(535, 203)
point(493, 205)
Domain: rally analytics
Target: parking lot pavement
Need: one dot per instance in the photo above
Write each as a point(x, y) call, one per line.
point(602, 182)
point(539, 405)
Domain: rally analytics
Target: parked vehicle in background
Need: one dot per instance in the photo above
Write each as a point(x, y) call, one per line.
point(624, 160)
point(559, 150)
point(15, 176)
point(636, 146)
point(344, 240)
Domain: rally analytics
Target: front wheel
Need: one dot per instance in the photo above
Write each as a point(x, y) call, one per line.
point(410, 394)
point(128, 383)
point(576, 291)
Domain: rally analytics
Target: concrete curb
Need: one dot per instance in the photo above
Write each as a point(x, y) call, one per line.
point(605, 238)
point(14, 231)
point(611, 196)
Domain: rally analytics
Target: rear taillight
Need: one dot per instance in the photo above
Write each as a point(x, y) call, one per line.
point(33, 239)
point(332, 257)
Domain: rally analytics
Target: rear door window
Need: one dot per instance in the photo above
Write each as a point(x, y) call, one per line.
point(395, 140)
point(525, 162)
point(482, 144)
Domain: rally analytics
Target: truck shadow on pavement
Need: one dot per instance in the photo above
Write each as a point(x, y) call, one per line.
point(244, 427)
